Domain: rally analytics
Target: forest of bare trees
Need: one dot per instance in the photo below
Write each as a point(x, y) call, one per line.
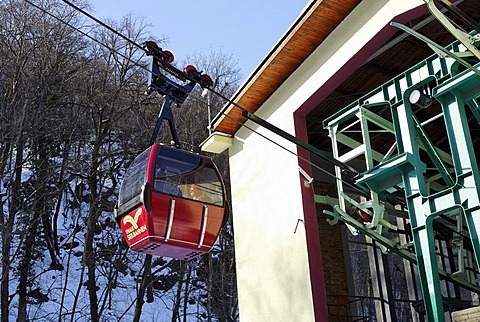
point(73, 114)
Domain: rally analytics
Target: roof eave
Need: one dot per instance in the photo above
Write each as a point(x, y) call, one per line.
point(285, 57)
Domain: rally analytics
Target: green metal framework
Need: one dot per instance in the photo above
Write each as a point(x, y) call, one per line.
point(447, 194)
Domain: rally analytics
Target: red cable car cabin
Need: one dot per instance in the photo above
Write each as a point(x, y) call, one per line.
point(171, 203)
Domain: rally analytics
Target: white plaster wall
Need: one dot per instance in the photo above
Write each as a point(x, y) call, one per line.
point(271, 258)
point(273, 275)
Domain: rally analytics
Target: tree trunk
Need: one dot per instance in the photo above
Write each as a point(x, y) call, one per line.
point(187, 291)
point(24, 270)
point(40, 210)
point(89, 253)
point(89, 257)
point(209, 290)
point(143, 286)
point(7, 231)
point(178, 296)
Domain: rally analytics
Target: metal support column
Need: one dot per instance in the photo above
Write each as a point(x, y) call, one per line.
point(456, 197)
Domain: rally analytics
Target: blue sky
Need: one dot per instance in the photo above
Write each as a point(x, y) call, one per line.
point(246, 29)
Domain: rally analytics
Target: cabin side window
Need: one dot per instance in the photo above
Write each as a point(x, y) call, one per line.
point(204, 185)
point(187, 175)
point(170, 166)
point(166, 181)
point(134, 178)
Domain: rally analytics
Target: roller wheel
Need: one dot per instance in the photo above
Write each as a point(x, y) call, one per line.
point(207, 82)
point(152, 43)
point(366, 217)
point(190, 70)
point(170, 56)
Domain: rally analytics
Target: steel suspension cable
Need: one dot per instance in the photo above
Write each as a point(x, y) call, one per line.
point(220, 95)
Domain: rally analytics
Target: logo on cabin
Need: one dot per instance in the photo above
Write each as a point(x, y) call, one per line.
point(133, 220)
point(134, 230)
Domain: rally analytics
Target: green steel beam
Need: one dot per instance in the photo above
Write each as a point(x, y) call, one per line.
point(460, 195)
point(436, 46)
point(339, 215)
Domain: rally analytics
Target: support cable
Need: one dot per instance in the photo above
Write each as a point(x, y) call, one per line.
point(103, 24)
point(85, 34)
point(220, 95)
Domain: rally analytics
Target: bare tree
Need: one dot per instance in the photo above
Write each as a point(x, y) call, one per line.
point(73, 116)
point(29, 82)
point(114, 87)
point(215, 277)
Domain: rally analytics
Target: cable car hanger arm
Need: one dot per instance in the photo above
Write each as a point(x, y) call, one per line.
point(165, 114)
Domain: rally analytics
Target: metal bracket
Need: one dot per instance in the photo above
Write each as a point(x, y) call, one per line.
point(306, 176)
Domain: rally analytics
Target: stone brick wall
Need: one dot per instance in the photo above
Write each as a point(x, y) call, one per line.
point(333, 259)
point(471, 314)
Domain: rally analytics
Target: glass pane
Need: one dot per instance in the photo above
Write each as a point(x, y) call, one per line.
point(134, 178)
point(172, 162)
point(184, 174)
point(204, 185)
point(170, 166)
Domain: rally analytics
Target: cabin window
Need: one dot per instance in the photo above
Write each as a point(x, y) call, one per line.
point(134, 178)
point(183, 174)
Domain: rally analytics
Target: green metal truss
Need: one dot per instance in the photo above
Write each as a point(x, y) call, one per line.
point(454, 192)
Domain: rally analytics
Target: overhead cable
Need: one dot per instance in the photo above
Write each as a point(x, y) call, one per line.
point(220, 95)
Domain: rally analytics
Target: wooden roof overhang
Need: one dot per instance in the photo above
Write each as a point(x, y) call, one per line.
point(313, 26)
point(316, 22)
